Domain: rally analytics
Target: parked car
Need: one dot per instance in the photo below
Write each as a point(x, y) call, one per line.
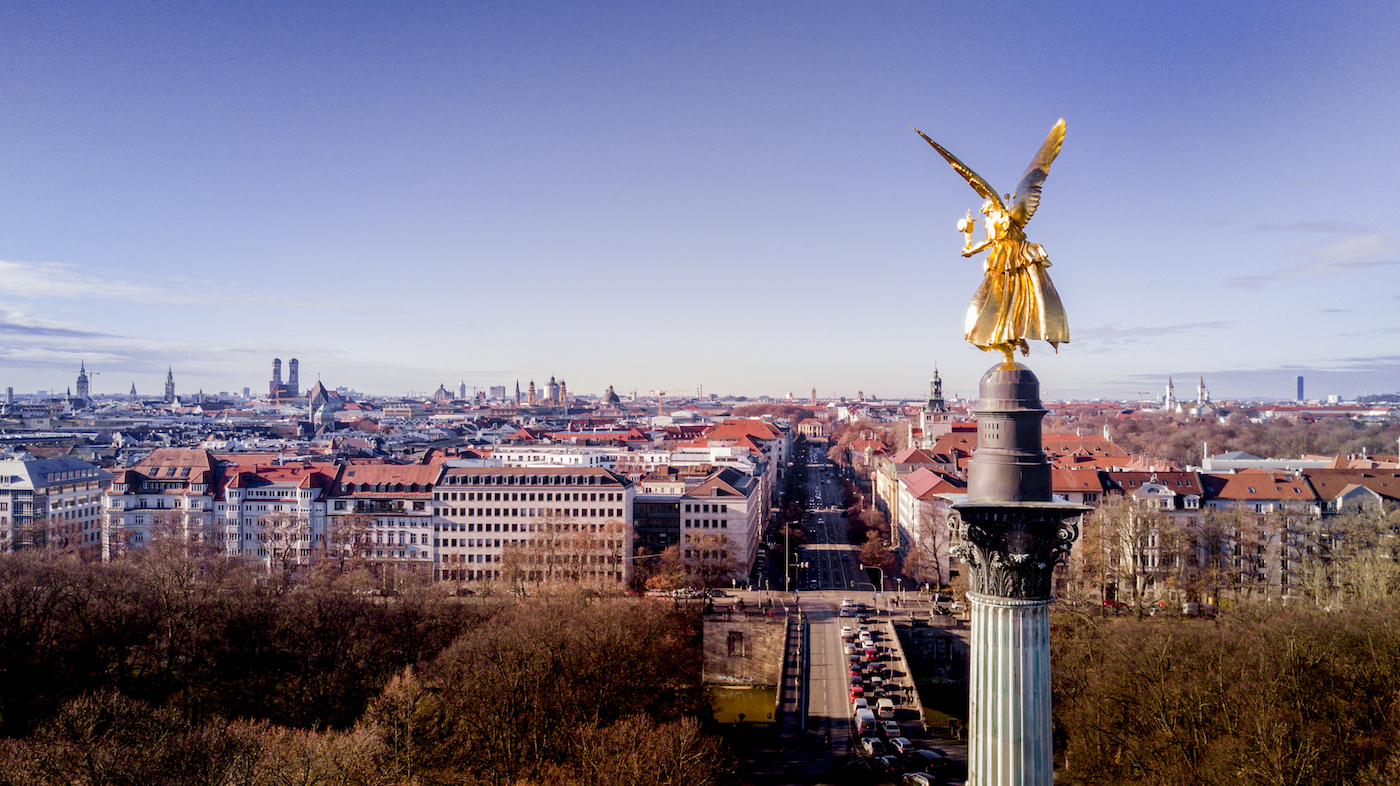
point(888, 764)
point(872, 746)
point(900, 745)
point(929, 759)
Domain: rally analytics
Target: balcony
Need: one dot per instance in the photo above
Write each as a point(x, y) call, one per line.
point(379, 506)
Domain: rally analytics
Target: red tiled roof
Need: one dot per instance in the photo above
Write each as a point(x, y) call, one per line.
point(736, 429)
point(1263, 486)
point(1329, 483)
point(924, 483)
point(1075, 481)
point(913, 456)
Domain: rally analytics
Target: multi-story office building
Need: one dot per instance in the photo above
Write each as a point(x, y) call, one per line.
point(728, 504)
point(529, 524)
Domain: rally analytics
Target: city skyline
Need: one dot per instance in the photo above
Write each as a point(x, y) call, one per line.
point(658, 198)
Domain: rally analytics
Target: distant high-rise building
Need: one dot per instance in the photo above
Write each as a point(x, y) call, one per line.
point(1300, 388)
point(169, 385)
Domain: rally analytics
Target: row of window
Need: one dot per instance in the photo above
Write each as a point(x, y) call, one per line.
point(489, 543)
point(523, 496)
point(533, 512)
point(706, 508)
point(521, 480)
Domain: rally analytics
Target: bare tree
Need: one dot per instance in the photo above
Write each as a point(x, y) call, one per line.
point(286, 538)
point(710, 559)
point(563, 549)
point(927, 560)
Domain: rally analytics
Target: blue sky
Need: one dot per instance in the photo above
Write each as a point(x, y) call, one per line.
point(654, 195)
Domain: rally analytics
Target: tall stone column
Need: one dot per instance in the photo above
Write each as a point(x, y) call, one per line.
point(1011, 534)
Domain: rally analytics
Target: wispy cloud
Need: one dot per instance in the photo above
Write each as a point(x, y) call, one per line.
point(14, 323)
point(1113, 334)
point(1310, 226)
point(41, 280)
point(57, 281)
point(1345, 255)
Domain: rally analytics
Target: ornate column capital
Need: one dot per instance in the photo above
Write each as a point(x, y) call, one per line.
point(1013, 547)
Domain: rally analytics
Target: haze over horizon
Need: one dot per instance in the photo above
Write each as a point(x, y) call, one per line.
point(670, 196)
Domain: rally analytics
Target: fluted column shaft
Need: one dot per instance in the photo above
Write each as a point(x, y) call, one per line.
point(1010, 734)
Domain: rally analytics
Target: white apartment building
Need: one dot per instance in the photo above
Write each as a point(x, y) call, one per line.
point(557, 456)
point(275, 515)
point(52, 503)
point(171, 490)
point(387, 509)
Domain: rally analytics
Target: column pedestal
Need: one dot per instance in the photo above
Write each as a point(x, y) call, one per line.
point(1010, 734)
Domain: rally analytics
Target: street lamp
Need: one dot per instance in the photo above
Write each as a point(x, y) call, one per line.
point(876, 598)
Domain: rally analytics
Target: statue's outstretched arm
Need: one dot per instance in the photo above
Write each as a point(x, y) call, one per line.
point(970, 250)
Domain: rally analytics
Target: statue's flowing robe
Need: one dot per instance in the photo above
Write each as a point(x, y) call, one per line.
point(1017, 299)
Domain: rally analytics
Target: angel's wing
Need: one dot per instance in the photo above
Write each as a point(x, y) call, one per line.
point(1027, 196)
point(973, 179)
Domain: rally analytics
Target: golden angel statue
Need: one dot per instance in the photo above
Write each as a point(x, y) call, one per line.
point(1016, 301)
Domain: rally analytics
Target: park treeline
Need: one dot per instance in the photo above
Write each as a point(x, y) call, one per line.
point(183, 671)
point(1262, 696)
